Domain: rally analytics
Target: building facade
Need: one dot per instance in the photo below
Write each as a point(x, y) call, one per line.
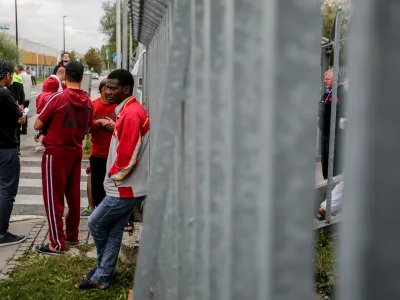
point(38, 57)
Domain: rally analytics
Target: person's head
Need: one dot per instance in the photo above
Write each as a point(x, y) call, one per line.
point(65, 58)
point(74, 74)
point(328, 79)
point(119, 86)
point(61, 73)
point(103, 88)
point(6, 73)
point(19, 69)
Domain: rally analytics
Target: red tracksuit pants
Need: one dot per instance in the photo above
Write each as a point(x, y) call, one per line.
point(61, 176)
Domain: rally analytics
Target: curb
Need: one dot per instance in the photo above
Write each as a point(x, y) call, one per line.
point(20, 218)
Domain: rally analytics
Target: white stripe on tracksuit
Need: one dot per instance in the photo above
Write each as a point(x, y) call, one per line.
point(50, 202)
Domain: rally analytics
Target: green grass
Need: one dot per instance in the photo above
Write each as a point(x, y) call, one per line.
point(324, 264)
point(40, 80)
point(50, 278)
point(87, 148)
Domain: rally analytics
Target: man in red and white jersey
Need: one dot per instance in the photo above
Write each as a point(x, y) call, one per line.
point(127, 180)
point(66, 118)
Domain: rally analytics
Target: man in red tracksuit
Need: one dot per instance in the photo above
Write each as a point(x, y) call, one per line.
point(66, 117)
point(101, 131)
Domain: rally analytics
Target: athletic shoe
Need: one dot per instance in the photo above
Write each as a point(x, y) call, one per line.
point(40, 148)
point(86, 212)
point(11, 239)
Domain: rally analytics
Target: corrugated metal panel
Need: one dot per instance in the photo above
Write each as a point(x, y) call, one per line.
point(231, 88)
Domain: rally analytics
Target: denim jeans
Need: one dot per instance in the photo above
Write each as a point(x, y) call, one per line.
point(106, 225)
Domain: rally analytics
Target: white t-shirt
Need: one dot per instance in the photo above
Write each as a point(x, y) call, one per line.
point(27, 82)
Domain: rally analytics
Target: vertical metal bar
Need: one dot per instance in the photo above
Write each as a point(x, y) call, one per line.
point(369, 261)
point(199, 58)
point(130, 51)
point(125, 35)
point(332, 134)
point(221, 147)
point(118, 34)
point(174, 93)
point(283, 146)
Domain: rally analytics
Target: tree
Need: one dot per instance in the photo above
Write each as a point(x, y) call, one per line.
point(72, 55)
point(328, 10)
point(93, 59)
point(8, 49)
point(108, 28)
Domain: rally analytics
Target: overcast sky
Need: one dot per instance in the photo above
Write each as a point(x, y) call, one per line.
point(42, 20)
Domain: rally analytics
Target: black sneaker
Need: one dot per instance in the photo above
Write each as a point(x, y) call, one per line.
point(11, 239)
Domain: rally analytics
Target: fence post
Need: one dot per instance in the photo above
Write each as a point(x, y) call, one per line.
point(369, 262)
point(332, 134)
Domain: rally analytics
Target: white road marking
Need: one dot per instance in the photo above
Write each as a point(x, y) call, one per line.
point(38, 200)
point(24, 182)
point(39, 170)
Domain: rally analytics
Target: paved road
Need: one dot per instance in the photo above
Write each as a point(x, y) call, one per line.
point(29, 200)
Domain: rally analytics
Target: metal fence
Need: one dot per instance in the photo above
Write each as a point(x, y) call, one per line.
point(231, 88)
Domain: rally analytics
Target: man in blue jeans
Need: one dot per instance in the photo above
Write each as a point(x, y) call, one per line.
point(127, 179)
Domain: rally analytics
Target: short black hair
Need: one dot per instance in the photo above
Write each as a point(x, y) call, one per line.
point(103, 83)
point(6, 67)
point(74, 71)
point(124, 77)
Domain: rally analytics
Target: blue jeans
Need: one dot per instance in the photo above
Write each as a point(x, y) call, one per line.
point(106, 225)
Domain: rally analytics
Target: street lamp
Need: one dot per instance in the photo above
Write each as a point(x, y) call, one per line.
point(63, 30)
point(16, 22)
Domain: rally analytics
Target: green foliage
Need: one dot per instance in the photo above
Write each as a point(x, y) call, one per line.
point(54, 278)
point(72, 55)
point(8, 49)
point(328, 10)
point(108, 28)
point(324, 266)
point(93, 59)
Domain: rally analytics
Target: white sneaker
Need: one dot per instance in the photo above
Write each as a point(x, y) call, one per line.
point(40, 148)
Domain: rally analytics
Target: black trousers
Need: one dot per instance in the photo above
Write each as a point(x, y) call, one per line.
point(337, 162)
point(98, 169)
point(9, 180)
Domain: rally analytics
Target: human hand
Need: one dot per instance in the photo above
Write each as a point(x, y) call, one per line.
point(110, 125)
point(22, 120)
point(101, 122)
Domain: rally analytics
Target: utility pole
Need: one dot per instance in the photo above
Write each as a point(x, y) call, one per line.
point(64, 32)
point(16, 22)
point(118, 34)
point(125, 36)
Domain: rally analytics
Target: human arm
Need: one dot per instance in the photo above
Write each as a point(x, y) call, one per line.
point(9, 106)
point(130, 141)
point(47, 113)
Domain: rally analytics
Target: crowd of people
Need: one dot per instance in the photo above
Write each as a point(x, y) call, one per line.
point(119, 163)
